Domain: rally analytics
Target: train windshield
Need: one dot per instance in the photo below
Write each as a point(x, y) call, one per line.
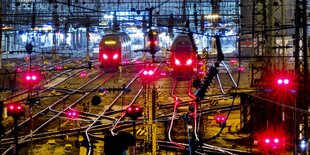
point(183, 46)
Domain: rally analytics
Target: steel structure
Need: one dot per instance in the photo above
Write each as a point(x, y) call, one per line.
point(302, 73)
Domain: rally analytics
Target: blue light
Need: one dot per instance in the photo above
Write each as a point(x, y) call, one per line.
point(303, 144)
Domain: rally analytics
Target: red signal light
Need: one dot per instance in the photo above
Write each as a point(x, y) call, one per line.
point(31, 78)
point(58, 67)
point(220, 119)
point(284, 81)
point(241, 69)
point(28, 77)
point(137, 109)
point(145, 72)
point(148, 72)
point(267, 140)
point(280, 81)
point(72, 114)
point(133, 112)
point(15, 109)
point(233, 61)
point(17, 69)
point(137, 62)
point(83, 74)
point(151, 72)
point(129, 109)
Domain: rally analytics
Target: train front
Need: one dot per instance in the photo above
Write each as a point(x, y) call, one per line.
point(183, 58)
point(110, 51)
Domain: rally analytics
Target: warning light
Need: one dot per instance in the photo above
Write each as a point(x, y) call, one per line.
point(134, 112)
point(31, 78)
point(58, 67)
point(83, 74)
point(72, 114)
point(220, 119)
point(283, 81)
point(163, 74)
point(15, 109)
point(233, 61)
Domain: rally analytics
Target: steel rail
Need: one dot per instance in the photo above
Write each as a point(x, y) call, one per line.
point(55, 103)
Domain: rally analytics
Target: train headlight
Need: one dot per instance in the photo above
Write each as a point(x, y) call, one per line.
point(189, 62)
point(177, 62)
point(115, 56)
point(105, 56)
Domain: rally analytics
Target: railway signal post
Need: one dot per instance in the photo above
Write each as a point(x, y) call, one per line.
point(15, 110)
point(31, 78)
point(134, 112)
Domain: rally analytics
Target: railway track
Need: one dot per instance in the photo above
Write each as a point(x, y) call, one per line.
point(48, 114)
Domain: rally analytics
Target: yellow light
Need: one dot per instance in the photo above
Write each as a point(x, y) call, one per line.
point(7, 28)
point(110, 42)
point(154, 33)
point(213, 16)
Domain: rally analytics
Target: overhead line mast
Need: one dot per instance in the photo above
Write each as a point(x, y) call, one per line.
point(302, 74)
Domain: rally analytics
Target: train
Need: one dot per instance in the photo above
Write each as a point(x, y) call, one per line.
point(114, 50)
point(183, 58)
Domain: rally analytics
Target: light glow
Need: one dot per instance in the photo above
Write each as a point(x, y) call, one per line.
point(286, 81)
point(115, 56)
point(34, 77)
point(145, 72)
point(151, 72)
point(110, 42)
point(177, 62)
point(28, 77)
point(189, 62)
point(129, 109)
point(212, 16)
point(105, 56)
